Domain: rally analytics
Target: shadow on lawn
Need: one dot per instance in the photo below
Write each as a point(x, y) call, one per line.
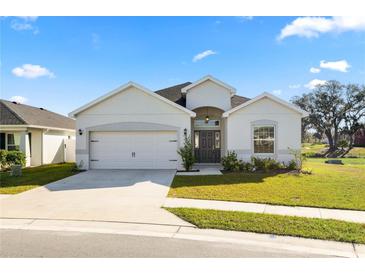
point(226, 178)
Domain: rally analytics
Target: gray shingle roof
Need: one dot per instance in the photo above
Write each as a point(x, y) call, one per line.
point(174, 94)
point(20, 114)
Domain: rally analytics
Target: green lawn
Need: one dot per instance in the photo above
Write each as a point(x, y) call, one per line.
point(331, 186)
point(274, 224)
point(35, 176)
point(313, 148)
point(321, 148)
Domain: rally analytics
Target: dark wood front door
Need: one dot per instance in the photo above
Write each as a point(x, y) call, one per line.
point(207, 146)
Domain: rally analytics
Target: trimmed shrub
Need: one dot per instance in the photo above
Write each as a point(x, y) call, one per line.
point(3, 154)
point(292, 165)
point(230, 161)
point(9, 158)
point(266, 164)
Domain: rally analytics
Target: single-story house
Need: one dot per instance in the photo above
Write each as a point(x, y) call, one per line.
point(44, 136)
point(132, 127)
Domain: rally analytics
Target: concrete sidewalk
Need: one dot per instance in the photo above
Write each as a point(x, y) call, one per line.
point(310, 212)
point(264, 241)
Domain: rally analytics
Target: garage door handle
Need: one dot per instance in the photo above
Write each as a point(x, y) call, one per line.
point(93, 160)
point(173, 160)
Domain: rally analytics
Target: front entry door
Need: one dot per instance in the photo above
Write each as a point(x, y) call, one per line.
point(207, 146)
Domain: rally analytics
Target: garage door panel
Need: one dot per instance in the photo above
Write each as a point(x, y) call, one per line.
point(133, 150)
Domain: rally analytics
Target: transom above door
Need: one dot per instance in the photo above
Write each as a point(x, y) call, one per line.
point(207, 146)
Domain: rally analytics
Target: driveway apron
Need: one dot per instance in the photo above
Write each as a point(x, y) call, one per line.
point(134, 196)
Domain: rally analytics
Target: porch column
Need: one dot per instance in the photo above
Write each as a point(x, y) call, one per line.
point(24, 146)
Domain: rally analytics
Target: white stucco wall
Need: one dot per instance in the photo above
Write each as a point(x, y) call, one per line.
point(53, 146)
point(130, 105)
point(208, 93)
point(36, 158)
point(265, 111)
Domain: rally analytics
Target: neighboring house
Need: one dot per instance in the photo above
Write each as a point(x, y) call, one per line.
point(132, 127)
point(359, 139)
point(44, 136)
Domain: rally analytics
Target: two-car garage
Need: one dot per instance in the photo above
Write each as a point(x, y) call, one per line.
point(133, 150)
point(131, 128)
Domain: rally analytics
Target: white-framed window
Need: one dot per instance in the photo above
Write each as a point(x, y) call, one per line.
point(264, 139)
point(13, 141)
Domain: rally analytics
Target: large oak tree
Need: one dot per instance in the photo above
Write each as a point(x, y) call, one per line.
point(333, 109)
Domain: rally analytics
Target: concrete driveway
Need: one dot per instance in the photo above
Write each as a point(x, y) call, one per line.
point(98, 195)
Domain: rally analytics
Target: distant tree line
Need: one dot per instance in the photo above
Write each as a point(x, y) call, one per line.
point(335, 110)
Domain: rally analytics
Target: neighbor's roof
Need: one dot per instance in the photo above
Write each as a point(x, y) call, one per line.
point(174, 94)
point(12, 113)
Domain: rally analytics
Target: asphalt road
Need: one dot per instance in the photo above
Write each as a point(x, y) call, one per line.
point(51, 244)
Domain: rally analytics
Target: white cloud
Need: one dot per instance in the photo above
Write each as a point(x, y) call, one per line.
point(203, 55)
point(314, 70)
point(22, 23)
point(28, 18)
point(294, 86)
point(276, 92)
point(30, 71)
point(245, 18)
point(314, 26)
point(341, 65)
point(18, 99)
point(314, 83)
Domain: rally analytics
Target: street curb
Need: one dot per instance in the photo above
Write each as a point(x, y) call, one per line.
point(313, 246)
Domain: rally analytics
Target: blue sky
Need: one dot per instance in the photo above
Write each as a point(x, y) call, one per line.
point(73, 60)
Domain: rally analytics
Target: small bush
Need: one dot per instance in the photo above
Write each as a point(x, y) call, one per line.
point(299, 158)
point(292, 165)
point(230, 161)
point(247, 167)
point(15, 158)
point(9, 158)
point(3, 154)
point(266, 164)
point(186, 153)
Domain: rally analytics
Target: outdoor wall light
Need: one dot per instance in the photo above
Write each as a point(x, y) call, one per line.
point(80, 131)
point(185, 131)
point(207, 119)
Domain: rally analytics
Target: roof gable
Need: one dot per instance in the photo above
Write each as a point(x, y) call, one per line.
point(231, 89)
point(271, 97)
point(123, 88)
point(20, 114)
point(9, 117)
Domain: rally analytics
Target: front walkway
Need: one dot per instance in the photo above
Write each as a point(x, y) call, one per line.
point(310, 212)
point(204, 169)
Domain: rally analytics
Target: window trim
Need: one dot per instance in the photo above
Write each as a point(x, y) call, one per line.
point(264, 123)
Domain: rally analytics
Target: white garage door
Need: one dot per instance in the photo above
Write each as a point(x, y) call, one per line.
point(133, 150)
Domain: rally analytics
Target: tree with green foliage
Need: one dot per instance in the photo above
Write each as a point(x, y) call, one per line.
point(333, 109)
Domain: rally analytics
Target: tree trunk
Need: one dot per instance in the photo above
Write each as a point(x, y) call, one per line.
point(330, 140)
point(335, 137)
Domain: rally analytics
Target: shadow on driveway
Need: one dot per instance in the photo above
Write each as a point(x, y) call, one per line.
point(112, 178)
